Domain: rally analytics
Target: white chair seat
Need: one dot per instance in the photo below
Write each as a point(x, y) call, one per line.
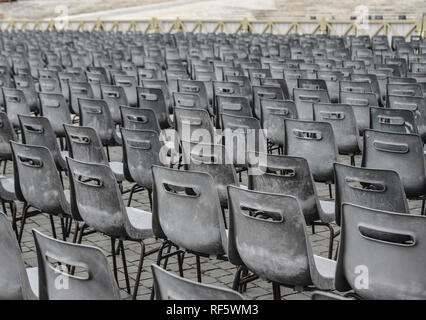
point(32, 274)
point(118, 170)
point(140, 223)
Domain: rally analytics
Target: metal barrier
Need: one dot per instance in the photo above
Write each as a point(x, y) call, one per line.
point(404, 28)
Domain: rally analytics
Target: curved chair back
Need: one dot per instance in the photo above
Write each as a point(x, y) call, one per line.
point(373, 244)
point(153, 98)
point(114, 97)
point(402, 153)
point(186, 210)
point(26, 84)
point(193, 86)
point(315, 142)
point(168, 286)
point(273, 113)
point(85, 145)
point(15, 103)
point(39, 132)
point(129, 84)
point(408, 89)
point(54, 107)
point(265, 92)
point(14, 283)
point(141, 150)
point(278, 223)
point(360, 103)
point(94, 279)
point(190, 123)
point(37, 182)
point(7, 134)
point(79, 90)
point(393, 120)
point(188, 100)
point(139, 119)
point(373, 188)
point(342, 119)
point(305, 99)
point(233, 105)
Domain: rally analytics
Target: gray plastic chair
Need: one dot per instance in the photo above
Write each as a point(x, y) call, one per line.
point(402, 153)
point(6, 134)
point(374, 188)
point(95, 281)
point(376, 241)
point(415, 104)
point(193, 86)
point(243, 82)
point(25, 83)
point(39, 185)
point(38, 131)
point(15, 103)
point(188, 100)
point(49, 85)
point(305, 99)
point(141, 150)
point(273, 113)
point(315, 142)
point(263, 92)
point(159, 84)
point(233, 105)
point(327, 296)
point(153, 98)
point(168, 286)
point(17, 282)
point(99, 203)
point(139, 119)
point(186, 212)
point(408, 89)
point(360, 103)
point(115, 97)
point(332, 79)
point(54, 107)
point(85, 145)
point(342, 119)
point(393, 120)
point(79, 90)
point(372, 79)
point(278, 223)
point(129, 84)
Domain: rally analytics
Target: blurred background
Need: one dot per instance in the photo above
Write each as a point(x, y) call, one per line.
point(208, 9)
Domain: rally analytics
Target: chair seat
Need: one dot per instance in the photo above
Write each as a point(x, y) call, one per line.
point(140, 224)
point(64, 154)
point(7, 189)
point(328, 208)
point(326, 271)
point(32, 274)
point(117, 168)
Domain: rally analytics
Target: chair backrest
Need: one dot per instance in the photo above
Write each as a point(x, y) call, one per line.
point(373, 188)
point(290, 176)
point(6, 134)
point(193, 86)
point(115, 96)
point(408, 89)
point(273, 113)
point(315, 142)
point(38, 131)
point(402, 153)
point(159, 84)
point(49, 85)
point(342, 119)
point(332, 80)
point(54, 107)
point(26, 84)
point(353, 86)
point(153, 98)
point(373, 244)
point(393, 120)
point(15, 103)
point(95, 113)
point(234, 105)
point(168, 286)
point(93, 279)
point(186, 210)
point(188, 100)
point(141, 150)
point(360, 103)
point(139, 119)
point(14, 283)
point(372, 79)
point(37, 182)
point(79, 90)
point(305, 99)
point(98, 197)
point(265, 92)
point(191, 123)
point(129, 84)
point(278, 223)
point(415, 104)
point(85, 145)
point(243, 82)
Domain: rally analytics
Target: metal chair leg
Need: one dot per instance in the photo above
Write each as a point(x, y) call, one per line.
point(123, 259)
point(52, 225)
point(150, 198)
point(181, 257)
point(276, 291)
point(237, 277)
point(198, 262)
point(114, 258)
point(23, 218)
point(138, 275)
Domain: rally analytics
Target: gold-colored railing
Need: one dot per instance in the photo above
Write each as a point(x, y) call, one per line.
point(404, 28)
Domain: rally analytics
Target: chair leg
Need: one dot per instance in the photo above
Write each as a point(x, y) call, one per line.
point(131, 194)
point(423, 208)
point(77, 227)
point(63, 229)
point(13, 211)
point(52, 225)
point(107, 152)
point(4, 166)
point(331, 240)
point(138, 275)
point(150, 198)
point(198, 262)
point(181, 257)
point(166, 260)
point(276, 291)
point(237, 278)
point(126, 273)
point(330, 191)
point(114, 259)
point(23, 218)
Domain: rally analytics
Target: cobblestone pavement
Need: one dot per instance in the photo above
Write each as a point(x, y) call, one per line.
point(213, 271)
